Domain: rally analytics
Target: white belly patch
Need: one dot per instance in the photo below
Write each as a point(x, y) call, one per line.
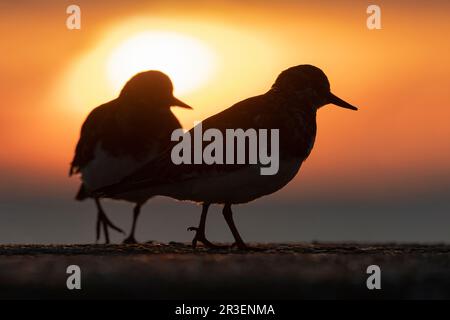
point(106, 169)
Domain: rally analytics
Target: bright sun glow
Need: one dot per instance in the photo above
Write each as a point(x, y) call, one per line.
point(187, 61)
point(207, 69)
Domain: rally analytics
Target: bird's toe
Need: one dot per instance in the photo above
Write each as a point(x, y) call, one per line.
point(243, 246)
point(130, 240)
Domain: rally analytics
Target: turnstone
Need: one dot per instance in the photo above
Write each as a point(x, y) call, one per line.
point(289, 106)
point(120, 136)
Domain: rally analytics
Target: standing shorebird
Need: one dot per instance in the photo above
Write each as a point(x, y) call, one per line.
point(120, 136)
point(289, 106)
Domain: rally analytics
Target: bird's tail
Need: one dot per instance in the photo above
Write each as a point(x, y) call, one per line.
point(82, 193)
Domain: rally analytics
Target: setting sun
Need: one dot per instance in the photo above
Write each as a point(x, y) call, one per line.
point(186, 60)
point(196, 57)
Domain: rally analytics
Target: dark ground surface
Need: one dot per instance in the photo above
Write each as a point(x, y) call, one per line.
point(176, 271)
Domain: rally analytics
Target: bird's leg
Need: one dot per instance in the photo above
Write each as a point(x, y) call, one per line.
point(105, 230)
point(200, 230)
point(99, 223)
point(103, 221)
point(228, 215)
point(136, 212)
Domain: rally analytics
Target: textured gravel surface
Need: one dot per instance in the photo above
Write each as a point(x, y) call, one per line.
point(176, 271)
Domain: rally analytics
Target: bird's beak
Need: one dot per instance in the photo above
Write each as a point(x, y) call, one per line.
point(339, 102)
point(178, 103)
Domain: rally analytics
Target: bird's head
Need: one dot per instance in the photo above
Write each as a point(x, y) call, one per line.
point(311, 83)
point(151, 88)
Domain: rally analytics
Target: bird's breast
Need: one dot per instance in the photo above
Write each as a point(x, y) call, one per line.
point(297, 135)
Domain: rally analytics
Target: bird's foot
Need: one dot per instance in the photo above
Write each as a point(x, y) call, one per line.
point(130, 240)
point(114, 227)
point(100, 243)
point(108, 223)
point(242, 246)
point(200, 237)
point(104, 223)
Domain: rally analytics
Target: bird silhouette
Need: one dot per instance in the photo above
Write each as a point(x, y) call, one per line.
point(121, 135)
point(289, 106)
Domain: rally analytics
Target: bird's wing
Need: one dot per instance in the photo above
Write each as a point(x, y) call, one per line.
point(162, 170)
point(91, 132)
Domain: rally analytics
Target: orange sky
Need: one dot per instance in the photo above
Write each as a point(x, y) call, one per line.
point(399, 141)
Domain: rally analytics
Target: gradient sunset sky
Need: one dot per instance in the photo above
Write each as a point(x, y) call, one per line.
point(379, 174)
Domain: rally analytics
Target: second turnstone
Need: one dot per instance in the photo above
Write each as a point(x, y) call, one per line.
point(121, 135)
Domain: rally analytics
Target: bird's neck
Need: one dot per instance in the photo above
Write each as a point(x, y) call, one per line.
point(297, 121)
